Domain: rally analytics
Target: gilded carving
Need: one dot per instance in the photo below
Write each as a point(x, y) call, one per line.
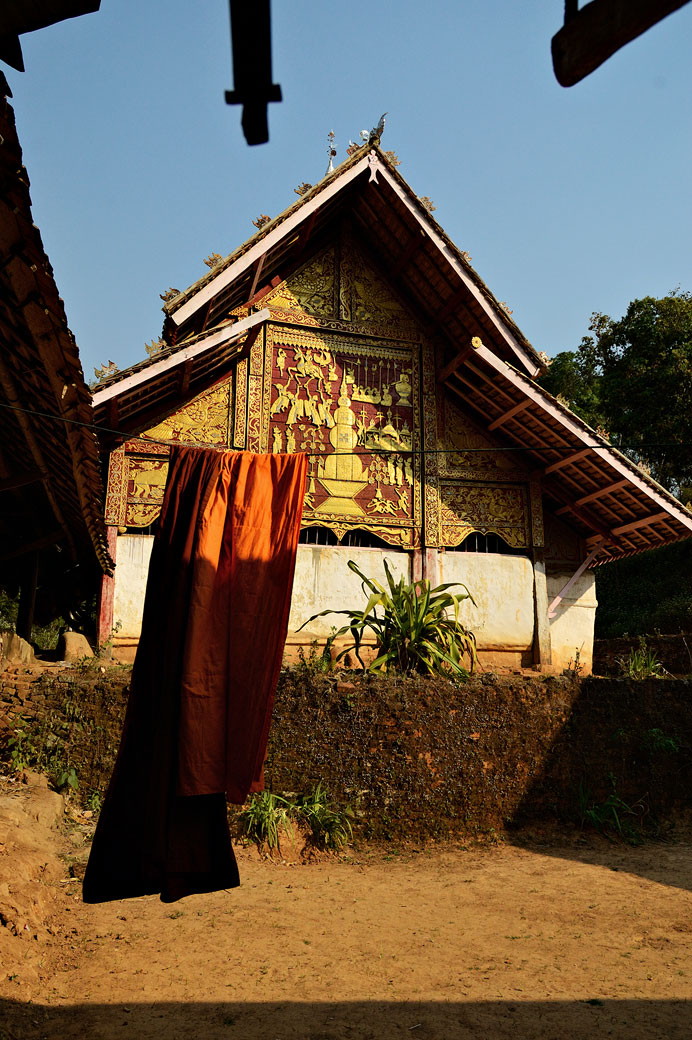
point(366, 296)
point(470, 453)
point(116, 491)
point(536, 498)
point(310, 290)
point(141, 516)
point(205, 420)
point(257, 427)
point(350, 405)
point(240, 422)
point(499, 510)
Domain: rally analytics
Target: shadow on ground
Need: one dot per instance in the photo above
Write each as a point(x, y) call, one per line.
point(359, 1020)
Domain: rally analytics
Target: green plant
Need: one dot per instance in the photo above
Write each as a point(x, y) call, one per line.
point(656, 742)
point(418, 629)
point(94, 802)
point(263, 819)
point(642, 663)
point(612, 814)
point(329, 826)
point(315, 662)
point(23, 750)
point(67, 777)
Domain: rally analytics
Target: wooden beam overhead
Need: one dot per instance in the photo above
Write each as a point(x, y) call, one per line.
point(644, 521)
point(454, 364)
point(227, 334)
point(508, 415)
point(33, 476)
point(184, 377)
point(593, 34)
point(255, 277)
point(566, 460)
point(598, 493)
point(264, 291)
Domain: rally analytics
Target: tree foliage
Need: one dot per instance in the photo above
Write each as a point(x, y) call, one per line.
point(632, 378)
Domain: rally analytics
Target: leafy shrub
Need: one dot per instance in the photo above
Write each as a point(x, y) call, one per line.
point(266, 815)
point(642, 663)
point(418, 630)
point(613, 814)
point(329, 827)
point(263, 819)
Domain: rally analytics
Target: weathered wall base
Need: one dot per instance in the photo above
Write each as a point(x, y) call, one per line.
point(502, 616)
point(424, 758)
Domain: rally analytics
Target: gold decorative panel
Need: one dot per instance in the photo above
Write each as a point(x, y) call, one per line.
point(137, 471)
point(352, 405)
point(136, 483)
point(341, 290)
point(240, 424)
point(499, 510)
point(469, 453)
point(311, 290)
point(205, 420)
point(364, 294)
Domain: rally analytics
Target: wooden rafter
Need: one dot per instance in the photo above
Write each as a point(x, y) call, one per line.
point(508, 415)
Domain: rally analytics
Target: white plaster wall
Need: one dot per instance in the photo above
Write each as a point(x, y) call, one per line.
point(324, 580)
point(572, 627)
point(502, 587)
point(132, 557)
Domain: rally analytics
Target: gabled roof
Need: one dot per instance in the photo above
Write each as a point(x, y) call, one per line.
point(423, 263)
point(615, 506)
point(50, 478)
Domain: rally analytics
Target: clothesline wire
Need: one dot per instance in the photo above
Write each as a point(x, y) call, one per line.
point(144, 439)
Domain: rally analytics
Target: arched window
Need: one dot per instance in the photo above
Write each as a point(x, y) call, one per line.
point(356, 539)
point(488, 543)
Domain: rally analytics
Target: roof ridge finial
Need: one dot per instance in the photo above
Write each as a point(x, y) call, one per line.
point(377, 131)
point(331, 151)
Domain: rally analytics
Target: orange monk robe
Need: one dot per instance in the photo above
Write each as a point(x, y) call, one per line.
point(213, 631)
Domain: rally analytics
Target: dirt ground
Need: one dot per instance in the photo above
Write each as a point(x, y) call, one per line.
point(522, 941)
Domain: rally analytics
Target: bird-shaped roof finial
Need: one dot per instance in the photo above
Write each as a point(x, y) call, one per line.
point(377, 131)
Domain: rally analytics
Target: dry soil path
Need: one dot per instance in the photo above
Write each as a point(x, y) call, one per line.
point(500, 942)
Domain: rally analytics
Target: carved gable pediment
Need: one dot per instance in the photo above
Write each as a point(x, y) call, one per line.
point(365, 294)
point(311, 290)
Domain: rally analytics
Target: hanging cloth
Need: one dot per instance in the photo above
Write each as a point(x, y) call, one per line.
point(213, 631)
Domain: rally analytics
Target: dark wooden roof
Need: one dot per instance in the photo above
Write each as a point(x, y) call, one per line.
point(617, 508)
point(50, 480)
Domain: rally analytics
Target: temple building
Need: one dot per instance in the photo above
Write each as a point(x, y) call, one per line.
point(352, 328)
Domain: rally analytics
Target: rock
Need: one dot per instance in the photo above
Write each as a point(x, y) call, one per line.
point(73, 646)
point(32, 779)
point(15, 649)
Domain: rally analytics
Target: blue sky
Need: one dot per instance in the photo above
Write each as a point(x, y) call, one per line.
point(569, 201)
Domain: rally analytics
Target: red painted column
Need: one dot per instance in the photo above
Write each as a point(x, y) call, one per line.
point(106, 594)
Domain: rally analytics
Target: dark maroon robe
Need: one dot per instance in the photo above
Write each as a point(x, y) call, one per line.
point(213, 631)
